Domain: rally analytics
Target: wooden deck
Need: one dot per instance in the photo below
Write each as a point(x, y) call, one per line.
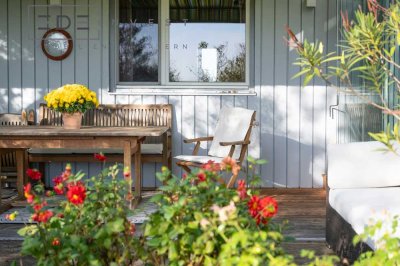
point(304, 209)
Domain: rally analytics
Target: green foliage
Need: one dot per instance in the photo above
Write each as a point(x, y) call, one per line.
point(96, 232)
point(205, 223)
point(368, 53)
point(388, 251)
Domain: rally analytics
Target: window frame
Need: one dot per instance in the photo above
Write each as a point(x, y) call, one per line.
point(164, 86)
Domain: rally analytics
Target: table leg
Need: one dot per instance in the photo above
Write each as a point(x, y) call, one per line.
point(138, 174)
point(21, 168)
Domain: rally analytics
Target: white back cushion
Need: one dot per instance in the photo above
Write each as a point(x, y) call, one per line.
point(360, 165)
point(232, 125)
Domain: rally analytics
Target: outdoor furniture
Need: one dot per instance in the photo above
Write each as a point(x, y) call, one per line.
point(128, 139)
point(8, 170)
point(363, 184)
point(154, 149)
point(231, 138)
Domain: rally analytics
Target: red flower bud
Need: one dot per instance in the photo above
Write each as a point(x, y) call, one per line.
point(100, 157)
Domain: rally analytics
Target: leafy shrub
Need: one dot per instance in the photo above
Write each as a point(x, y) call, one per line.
point(202, 222)
point(89, 228)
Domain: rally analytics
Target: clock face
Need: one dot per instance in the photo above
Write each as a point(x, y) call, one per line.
point(57, 44)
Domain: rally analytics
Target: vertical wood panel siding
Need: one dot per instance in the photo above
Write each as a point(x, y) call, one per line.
point(294, 127)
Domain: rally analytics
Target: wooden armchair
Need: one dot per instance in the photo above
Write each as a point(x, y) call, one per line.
point(232, 138)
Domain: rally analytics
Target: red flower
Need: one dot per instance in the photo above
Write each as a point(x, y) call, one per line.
point(262, 209)
point(38, 207)
point(184, 176)
point(42, 217)
point(58, 185)
point(60, 215)
point(56, 242)
point(27, 193)
point(76, 193)
point(201, 176)
point(34, 174)
point(100, 157)
point(254, 206)
point(211, 166)
point(242, 189)
point(269, 207)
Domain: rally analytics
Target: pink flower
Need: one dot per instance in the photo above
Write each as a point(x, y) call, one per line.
point(230, 164)
point(211, 166)
point(242, 189)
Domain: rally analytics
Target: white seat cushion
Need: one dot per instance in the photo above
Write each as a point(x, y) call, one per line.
point(147, 148)
point(199, 159)
point(360, 165)
point(360, 207)
point(232, 125)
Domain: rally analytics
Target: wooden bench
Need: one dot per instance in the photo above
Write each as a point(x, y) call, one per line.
point(154, 149)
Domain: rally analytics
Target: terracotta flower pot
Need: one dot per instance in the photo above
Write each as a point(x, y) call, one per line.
point(72, 121)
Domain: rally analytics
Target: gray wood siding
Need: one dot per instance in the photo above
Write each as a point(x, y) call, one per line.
point(294, 126)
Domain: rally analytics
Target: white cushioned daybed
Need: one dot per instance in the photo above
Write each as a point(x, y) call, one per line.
point(363, 187)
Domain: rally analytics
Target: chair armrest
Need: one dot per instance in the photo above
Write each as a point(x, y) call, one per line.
point(231, 143)
point(198, 139)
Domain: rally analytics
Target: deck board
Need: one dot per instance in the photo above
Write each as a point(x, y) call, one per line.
point(304, 209)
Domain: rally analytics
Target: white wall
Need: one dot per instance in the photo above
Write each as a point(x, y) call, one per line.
point(294, 124)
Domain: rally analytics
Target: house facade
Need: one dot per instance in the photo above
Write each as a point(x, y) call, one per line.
point(198, 56)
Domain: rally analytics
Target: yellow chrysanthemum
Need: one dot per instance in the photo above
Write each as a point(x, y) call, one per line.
point(69, 95)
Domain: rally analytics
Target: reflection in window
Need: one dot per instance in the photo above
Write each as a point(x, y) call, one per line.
point(138, 41)
point(207, 41)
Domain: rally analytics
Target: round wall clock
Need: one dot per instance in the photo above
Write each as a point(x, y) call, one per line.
point(57, 44)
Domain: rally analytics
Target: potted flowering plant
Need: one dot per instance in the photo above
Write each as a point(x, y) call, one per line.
point(72, 100)
point(90, 227)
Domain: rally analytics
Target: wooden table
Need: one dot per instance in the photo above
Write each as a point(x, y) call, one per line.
point(129, 139)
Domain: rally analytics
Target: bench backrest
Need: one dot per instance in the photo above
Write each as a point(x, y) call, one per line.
point(117, 115)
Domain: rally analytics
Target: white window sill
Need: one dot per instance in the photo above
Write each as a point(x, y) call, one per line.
point(242, 90)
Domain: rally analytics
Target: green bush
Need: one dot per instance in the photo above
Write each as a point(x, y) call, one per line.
point(202, 222)
point(89, 228)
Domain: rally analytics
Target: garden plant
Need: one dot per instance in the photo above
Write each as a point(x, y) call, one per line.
point(368, 52)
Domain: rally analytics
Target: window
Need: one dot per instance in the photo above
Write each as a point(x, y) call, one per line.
point(138, 41)
point(171, 43)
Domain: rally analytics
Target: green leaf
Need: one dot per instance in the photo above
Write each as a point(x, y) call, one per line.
point(28, 230)
point(209, 247)
point(115, 226)
point(301, 73)
point(172, 251)
point(307, 79)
